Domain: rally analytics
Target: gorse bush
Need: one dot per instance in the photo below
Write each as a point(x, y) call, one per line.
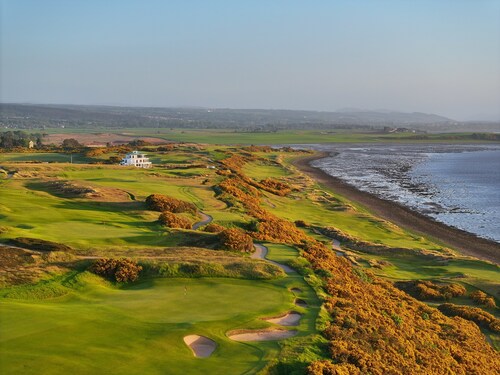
point(213, 228)
point(427, 290)
point(474, 314)
point(372, 327)
point(301, 224)
point(275, 186)
point(158, 202)
point(236, 239)
point(482, 298)
point(172, 220)
point(121, 270)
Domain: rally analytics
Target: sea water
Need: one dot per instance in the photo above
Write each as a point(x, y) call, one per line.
point(458, 185)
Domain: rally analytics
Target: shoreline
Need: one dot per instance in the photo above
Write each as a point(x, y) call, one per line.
point(464, 242)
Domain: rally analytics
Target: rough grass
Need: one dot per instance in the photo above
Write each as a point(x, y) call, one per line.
point(139, 328)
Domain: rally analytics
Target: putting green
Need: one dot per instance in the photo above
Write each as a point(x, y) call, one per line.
point(138, 330)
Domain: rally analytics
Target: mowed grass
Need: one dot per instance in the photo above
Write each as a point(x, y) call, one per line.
point(232, 136)
point(360, 224)
point(480, 274)
point(357, 223)
point(28, 211)
point(97, 328)
point(259, 171)
point(46, 157)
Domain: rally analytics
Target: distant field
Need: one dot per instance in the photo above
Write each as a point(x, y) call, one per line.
point(88, 138)
point(227, 137)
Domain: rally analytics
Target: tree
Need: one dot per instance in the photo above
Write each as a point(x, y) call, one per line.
point(71, 143)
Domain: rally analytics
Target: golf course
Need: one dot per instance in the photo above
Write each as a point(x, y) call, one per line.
point(260, 303)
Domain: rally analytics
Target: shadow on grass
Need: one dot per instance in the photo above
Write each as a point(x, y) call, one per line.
point(103, 206)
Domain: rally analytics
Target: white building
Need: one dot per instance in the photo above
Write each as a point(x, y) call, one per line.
point(136, 159)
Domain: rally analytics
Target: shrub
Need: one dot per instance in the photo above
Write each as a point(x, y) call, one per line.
point(301, 224)
point(121, 270)
point(482, 298)
point(172, 220)
point(213, 228)
point(475, 314)
point(455, 290)
point(427, 290)
point(275, 186)
point(158, 202)
point(329, 368)
point(236, 239)
point(71, 143)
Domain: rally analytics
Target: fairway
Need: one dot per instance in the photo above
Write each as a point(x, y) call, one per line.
point(57, 317)
point(140, 328)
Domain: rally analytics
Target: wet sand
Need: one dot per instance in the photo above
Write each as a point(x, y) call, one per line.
point(466, 243)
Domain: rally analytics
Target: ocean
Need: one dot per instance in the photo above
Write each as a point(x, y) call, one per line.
point(458, 185)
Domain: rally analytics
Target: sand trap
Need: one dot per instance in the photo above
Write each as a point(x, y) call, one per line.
point(289, 319)
point(300, 302)
point(261, 335)
point(296, 290)
point(201, 346)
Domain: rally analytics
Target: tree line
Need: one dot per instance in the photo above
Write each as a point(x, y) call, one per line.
point(18, 138)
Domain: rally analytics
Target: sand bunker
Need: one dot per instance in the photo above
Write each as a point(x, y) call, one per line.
point(300, 302)
point(201, 346)
point(296, 290)
point(261, 335)
point(289, 319)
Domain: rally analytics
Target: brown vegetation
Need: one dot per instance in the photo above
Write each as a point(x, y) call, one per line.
point(378, 329)
point(482, 298)
point(159, 202)
point(474, 314)
point(236, 239)
point(276, 187)
point(38, 244)
point(172, 220)
point(301, 224)
point(253, 148)
point(374, 327)
point(121, 270)
point(427, 290)
point(19, 266)
point(213, 228)
point(269, 227)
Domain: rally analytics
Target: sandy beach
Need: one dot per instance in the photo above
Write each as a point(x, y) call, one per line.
point(462, 241)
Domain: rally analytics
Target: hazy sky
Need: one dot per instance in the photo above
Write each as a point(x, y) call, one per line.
point(439, 56)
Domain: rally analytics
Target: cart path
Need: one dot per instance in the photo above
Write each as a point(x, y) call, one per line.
point(261, 252)
point(205, 219)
